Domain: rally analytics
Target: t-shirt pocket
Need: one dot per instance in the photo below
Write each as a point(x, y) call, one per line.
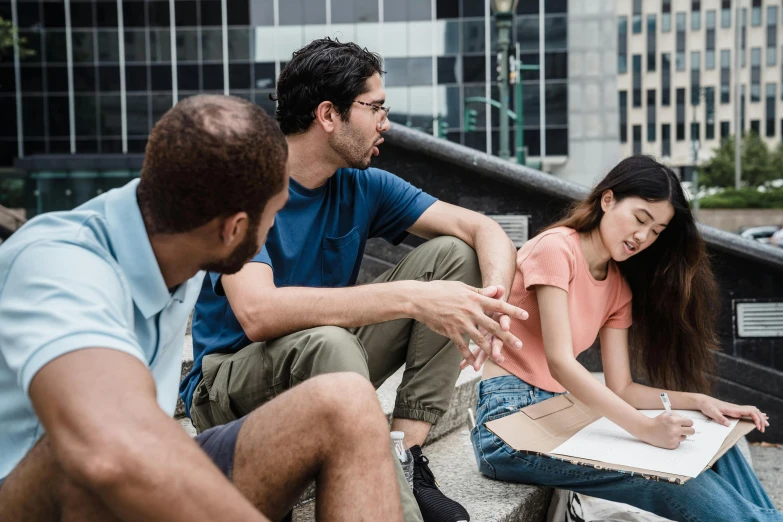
point(339, 258)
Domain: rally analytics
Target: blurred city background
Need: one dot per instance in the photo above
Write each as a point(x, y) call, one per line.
point(567, 87)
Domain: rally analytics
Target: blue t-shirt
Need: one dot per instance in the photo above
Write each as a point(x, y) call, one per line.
point(317, 241)
point(86, 278)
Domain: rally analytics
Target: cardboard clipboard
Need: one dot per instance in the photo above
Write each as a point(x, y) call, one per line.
point(540, 428)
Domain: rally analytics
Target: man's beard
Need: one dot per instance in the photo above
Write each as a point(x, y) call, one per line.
point(243, 253)
point(347, 147)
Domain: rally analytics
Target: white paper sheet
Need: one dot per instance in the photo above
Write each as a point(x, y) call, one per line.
point(606, 441)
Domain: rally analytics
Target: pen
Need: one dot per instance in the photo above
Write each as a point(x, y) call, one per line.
point(666, 403)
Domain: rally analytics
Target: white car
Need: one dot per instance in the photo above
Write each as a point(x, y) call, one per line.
point(760, 234)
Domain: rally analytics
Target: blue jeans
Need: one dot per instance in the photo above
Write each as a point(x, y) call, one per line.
point(728, 491)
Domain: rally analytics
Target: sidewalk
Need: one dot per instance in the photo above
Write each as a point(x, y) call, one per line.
point(768, 463)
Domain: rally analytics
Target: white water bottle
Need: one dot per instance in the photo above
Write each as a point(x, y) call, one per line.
point(404, 454)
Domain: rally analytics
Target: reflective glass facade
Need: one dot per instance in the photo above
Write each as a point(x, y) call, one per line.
point(104, 71)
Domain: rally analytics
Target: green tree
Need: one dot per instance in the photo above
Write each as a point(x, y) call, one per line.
point(777, 162)
point(7, 32)
point(719, 171)
point(758, 165)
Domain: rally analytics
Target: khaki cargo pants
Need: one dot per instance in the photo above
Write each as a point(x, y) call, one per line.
point(234, 384)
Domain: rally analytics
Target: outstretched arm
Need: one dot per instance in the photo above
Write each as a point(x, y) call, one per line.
point(448, 307)
point(663, 431)
point(617, 369)
point(109, 436)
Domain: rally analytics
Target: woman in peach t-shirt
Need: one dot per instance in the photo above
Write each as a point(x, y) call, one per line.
point(630, 253)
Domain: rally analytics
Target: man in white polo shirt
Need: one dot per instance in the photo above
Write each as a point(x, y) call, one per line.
point(93, 308)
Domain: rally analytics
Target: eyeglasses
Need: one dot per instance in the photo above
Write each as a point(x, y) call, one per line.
point(375, 109)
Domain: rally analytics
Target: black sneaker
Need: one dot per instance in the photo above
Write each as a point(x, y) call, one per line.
point(434, 505)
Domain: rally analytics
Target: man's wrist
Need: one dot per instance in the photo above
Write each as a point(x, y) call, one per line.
point(405, 294)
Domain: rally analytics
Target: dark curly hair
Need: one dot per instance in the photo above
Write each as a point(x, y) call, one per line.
point(210, 156)
point(324, 70)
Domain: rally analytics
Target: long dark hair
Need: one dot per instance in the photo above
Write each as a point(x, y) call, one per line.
point(672, 339)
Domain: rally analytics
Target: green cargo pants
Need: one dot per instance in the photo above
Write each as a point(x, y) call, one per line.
point(234, 384)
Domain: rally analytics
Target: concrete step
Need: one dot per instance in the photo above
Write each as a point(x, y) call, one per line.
point(454, 465)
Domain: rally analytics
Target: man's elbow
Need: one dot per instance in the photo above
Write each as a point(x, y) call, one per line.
point(100, 467)
point(251, 319)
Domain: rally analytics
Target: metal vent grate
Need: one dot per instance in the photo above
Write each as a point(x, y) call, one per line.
point(515, 225)
point(760, 319)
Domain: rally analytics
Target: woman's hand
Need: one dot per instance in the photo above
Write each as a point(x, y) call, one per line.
point(718, 411)
point(667, 431)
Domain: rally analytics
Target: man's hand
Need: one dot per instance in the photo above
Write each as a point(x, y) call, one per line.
point(495, 342)
point(455, 310)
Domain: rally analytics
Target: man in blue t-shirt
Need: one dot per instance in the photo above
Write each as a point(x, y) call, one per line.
point(93, 306)
point(294, 311)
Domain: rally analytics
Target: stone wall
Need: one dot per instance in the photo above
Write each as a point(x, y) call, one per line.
point(732, 220)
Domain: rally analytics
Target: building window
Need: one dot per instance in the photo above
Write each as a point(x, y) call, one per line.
point(724, 130)
point(755, 127)
point(666, 140)
point(725, 76)
point(709, 55)
point(755, 75)
point(651, 42)
point(725, 13)
point(651, 115)
point(637, 80)
point(637, 16)
point(666, 16)
point(637, 139)
point(755, 13)
point(623, 116)
point(743, 35)
point(695, 77)
point(680, 114)
point(695, 131)
point(680, 58)
point(771, 100)
point(772, 35)
point(622, 44)
point(709, 113)
point(741, 122)
point(666, 79)
point(695, 15)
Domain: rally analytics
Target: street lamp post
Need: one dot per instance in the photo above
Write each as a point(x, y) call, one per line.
point(504, 13)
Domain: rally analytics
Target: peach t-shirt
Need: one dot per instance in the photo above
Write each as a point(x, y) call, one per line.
point(555, 258)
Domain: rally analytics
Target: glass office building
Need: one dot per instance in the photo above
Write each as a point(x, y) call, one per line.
point(104, 71)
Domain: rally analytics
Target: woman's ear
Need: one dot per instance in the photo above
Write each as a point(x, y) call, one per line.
point(607, 200)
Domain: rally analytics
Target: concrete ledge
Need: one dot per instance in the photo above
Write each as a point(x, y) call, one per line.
point(495, 169)
point(453, 462)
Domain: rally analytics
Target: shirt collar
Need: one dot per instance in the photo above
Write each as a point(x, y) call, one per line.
point(133, 251)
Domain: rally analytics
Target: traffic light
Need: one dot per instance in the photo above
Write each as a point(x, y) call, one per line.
point(471, 115)
point(499, 66)
point(443, 128)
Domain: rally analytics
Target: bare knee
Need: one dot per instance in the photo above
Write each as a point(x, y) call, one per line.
point(349, 403)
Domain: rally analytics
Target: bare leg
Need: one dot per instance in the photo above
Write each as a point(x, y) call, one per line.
point(330, 428)
point(333, 430)
point(416, 431)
